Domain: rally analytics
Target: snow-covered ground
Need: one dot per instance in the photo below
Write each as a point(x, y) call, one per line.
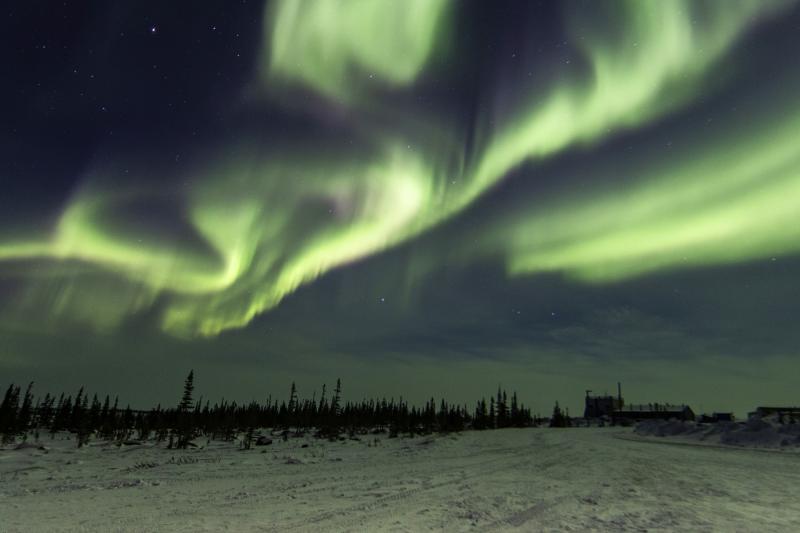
point(579, 479)
point(768, 432)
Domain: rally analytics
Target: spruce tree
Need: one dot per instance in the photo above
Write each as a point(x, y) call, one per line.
point(515, 414)
point(185, 423)
point(293, 398)
point(332, 425)
point(25, 413)
point(103, 422)
point(45, 412)
point(94, 414)
point(293, 418)
point(499, 409)
point(126, 425)
point(336, 398)
point(322, 409)
point(188, 388)
point(82, 429)
point(77, 412)
point(479, 422)
point(502, 409)
point(8, 413)
point(54, 419)
point(5, 408)
point(558, 420)
point(110, 420)
point(505, 410)
point(64, 416)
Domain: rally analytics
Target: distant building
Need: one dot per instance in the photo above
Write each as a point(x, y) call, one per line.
point(790, 412)
point(614, 408)
point(602, 406)
point(655, 411)
point(717, 417)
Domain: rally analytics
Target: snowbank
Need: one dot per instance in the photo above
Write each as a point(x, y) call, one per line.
point(755, 433)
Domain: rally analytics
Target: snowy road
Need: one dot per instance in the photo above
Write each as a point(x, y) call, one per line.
point(508, 480)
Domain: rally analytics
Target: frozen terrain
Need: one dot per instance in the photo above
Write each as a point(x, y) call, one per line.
point(580, 479)
point(766, 432)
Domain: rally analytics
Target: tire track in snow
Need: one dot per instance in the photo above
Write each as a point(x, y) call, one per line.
point(343, 518)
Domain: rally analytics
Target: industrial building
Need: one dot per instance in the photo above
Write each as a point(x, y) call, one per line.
point(655, 411)
point(603, 406)
point(614, 408)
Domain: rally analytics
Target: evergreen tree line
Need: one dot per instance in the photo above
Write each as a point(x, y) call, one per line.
point(328, 417)
point(559, 419)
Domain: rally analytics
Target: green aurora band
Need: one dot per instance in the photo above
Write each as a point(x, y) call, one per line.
point(335, 46)
point(265, 221)
point(734, 202)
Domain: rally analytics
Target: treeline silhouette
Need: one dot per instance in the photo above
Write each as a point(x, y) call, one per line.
point(327, 417)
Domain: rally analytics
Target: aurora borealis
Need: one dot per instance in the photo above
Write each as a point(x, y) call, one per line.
point(554, 194)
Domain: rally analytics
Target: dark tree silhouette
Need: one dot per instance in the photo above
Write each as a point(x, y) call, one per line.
point(188, 388)
point(558, 420)
point(185, 426)
point(329, 417)
point(8, 413)
point(25, 415)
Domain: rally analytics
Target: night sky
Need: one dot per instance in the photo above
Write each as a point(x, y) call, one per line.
point(423, 198)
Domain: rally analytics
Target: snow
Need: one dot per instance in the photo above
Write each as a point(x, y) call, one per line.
point(765, 432)
point(579, 479)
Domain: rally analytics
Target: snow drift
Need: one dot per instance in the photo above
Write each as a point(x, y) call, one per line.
point(765, 432)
